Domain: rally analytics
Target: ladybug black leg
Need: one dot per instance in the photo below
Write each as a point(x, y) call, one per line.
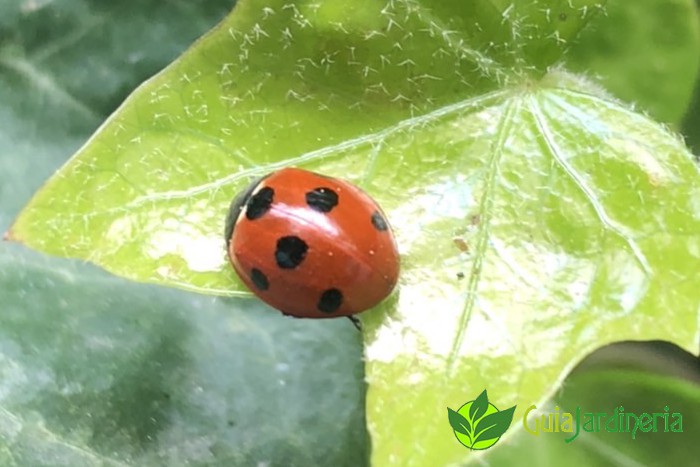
point(356, 322)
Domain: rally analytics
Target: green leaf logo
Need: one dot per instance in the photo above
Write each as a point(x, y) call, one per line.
point(479, 406)
point(478, 424)
point(458, 422)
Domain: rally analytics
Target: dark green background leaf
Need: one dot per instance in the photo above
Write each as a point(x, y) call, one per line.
point(95, 370)
point(691, 124)
point(65, 66)
point(646, 52)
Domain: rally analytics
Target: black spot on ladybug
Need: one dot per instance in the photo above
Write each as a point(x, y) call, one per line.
point(236, 205)
point(322, 199)
point(378, 221)
point(290, 252)
point(259, 279)
point(259, 203)
point(330, 301)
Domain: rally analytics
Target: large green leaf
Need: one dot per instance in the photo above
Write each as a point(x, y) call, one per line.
point(538, 219)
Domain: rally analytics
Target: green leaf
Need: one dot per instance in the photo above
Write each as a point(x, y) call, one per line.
point(493, 426)
point(479, 406)
point(99, 371)
point(579, 216)
point(459, 423)
point(646, 52)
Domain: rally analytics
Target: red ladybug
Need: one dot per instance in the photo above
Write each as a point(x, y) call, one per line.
point(311, 246)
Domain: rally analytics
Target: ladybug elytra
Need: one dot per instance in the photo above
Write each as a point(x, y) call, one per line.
point(311, 246)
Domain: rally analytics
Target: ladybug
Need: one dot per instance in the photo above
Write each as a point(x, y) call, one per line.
point(311, 246)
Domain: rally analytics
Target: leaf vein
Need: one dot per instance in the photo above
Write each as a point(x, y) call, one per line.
point(486, 212)
point(325, 152)
point(581, 184)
